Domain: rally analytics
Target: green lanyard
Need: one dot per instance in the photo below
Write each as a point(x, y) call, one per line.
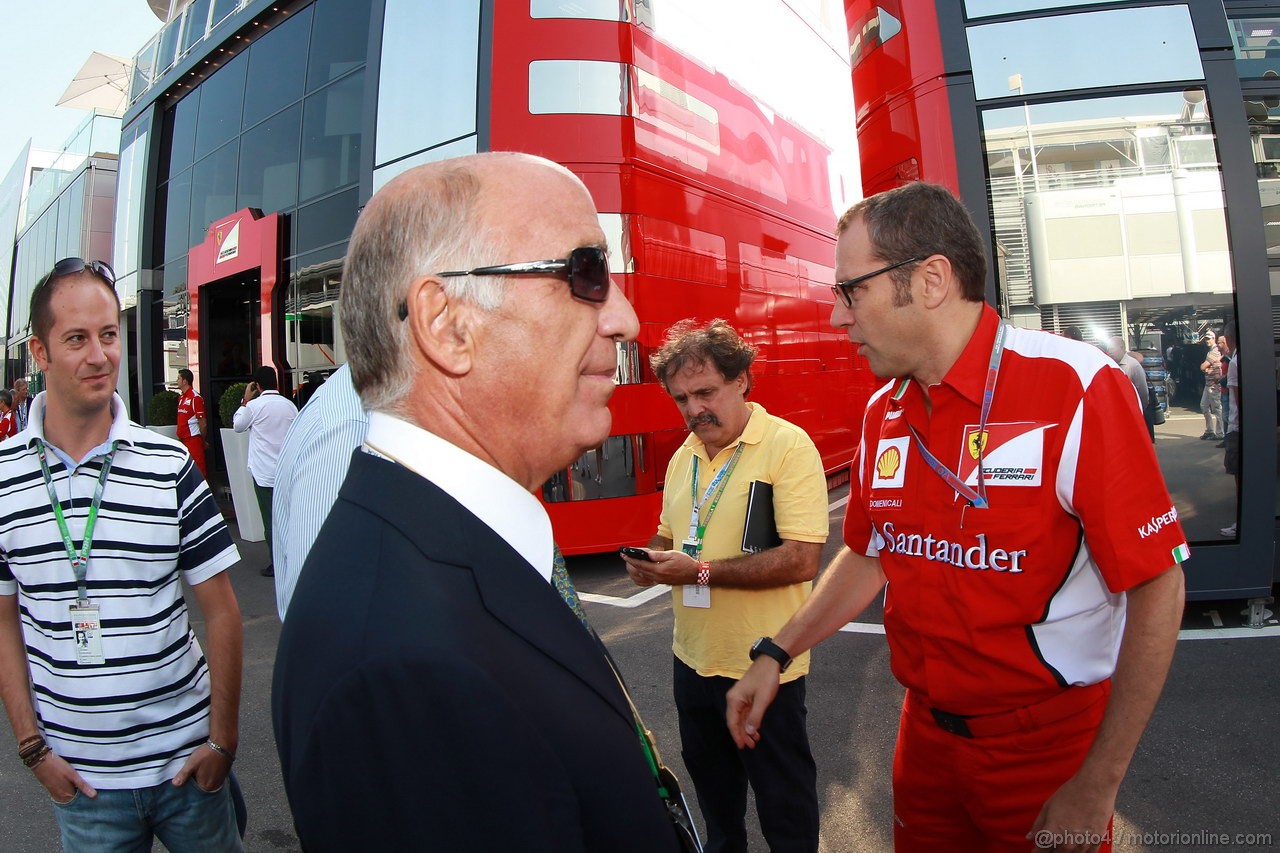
point(697, 524)
point(79, 559)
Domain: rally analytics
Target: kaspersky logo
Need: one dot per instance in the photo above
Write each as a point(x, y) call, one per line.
point(890, 463)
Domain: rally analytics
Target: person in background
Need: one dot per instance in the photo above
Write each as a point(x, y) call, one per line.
point(1211, 397)
point(21, 404)
point(192, 426)
point(8, 426)
point(1133, 369)
point(749, 491)
point(313, 463)
point(1231, 444)
point(266, 415)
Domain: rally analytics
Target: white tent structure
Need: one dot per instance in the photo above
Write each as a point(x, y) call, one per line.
point(102, 84)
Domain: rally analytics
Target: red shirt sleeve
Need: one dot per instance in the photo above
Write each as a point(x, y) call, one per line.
point(1116, 487)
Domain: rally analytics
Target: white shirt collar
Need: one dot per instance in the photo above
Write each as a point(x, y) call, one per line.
point(119, 424)
point(490, 495)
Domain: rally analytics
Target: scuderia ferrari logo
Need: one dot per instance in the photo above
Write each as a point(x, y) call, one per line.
point(1012, 454)
point(890, 463)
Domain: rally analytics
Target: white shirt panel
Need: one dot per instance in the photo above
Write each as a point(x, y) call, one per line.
point(490, 495)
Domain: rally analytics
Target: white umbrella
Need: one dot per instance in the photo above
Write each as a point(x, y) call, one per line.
point(102, 85)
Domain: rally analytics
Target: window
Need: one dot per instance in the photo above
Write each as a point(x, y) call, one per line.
point(1108, 216)
point(427, 82)
point(269, 163)
point(176, 203)
point(327, 221)
point(221, 100)
point(331, 137)
point(277, 66)
point(213, 189)
point(339, 39)
point(180, 133)
point(1084, 50)
point(1257, 46)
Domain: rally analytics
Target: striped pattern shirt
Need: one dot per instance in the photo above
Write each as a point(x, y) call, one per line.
point(130, 722)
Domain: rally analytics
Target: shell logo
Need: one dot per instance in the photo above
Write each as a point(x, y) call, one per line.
point(887, 464)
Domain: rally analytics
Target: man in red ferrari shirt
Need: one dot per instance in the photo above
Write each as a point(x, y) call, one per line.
point(1005, 488)
point(191, 419)
point(8, 426)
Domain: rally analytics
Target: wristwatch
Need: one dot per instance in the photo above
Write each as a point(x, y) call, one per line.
point(766, 646)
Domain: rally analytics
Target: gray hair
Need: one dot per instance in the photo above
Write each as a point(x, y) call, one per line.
point(417, 225)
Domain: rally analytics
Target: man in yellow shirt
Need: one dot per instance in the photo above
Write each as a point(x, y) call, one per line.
point(744, 518)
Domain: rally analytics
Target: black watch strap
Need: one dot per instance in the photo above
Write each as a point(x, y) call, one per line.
point(766, 646)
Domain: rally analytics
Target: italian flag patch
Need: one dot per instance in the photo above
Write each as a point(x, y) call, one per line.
point(1181, 553)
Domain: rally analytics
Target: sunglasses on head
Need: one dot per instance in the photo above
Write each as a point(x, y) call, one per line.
point(74, 266)
point(586, 269)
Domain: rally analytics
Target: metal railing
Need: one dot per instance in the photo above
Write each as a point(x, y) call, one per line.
point(176, 39)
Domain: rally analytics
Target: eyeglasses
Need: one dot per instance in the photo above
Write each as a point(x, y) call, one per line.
point(844, 289)
point(73, 266)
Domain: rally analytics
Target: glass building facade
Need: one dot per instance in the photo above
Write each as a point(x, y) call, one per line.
point(1129, 157)
point(65, 209)
point(235, 106)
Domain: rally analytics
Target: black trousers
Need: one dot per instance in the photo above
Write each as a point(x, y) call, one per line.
point(780, 769)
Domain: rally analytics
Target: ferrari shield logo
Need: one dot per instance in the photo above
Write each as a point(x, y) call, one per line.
point(1012, 454)
point(977, 443)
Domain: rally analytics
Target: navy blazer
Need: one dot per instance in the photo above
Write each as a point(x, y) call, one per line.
point(432, 692)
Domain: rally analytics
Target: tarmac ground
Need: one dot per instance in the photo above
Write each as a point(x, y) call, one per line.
point(1207, 773)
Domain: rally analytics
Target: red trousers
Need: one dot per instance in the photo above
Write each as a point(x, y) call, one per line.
point(195, 446)
point(983, 793)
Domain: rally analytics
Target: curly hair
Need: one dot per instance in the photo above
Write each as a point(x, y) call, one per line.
point(687, 343)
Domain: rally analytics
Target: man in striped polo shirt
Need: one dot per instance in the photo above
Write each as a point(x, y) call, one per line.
point(114, 706)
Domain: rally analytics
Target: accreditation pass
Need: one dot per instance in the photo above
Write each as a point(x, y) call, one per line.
point(86, 627)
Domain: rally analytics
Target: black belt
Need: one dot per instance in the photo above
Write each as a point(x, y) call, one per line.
point(1070, 701)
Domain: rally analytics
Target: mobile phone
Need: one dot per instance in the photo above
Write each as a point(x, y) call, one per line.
point(635, 553)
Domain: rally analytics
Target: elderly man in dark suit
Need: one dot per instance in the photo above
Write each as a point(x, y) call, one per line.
point(432, 690)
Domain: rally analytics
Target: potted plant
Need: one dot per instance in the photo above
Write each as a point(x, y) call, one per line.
point(162, 413)
point(235, 450)
point(230, 401)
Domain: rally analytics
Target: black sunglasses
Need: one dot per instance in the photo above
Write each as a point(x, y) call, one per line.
point(586, 268)
point(73, 266)
point(844, 289)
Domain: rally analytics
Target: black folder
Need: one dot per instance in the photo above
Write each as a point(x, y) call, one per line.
point(760, 530)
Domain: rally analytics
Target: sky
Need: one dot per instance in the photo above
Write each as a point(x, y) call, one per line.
point(47, 44)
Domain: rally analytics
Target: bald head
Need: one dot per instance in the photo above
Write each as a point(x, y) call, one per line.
point(449, 215)
point(1114, 347)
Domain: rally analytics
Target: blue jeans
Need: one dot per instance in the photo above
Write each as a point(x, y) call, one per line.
point(185, 819)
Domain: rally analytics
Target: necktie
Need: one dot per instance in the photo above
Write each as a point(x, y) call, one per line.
point(564, 585)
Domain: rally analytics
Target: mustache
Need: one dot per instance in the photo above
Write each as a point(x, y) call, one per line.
point(708, 418)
